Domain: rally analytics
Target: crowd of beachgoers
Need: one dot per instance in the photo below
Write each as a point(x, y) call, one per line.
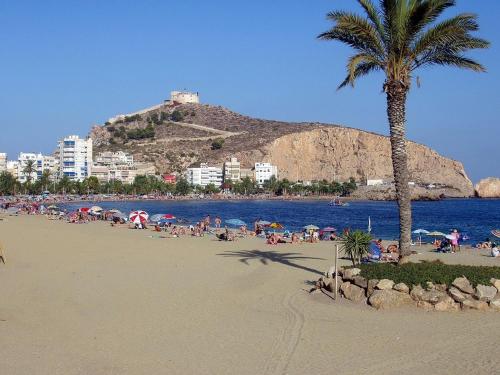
point(169, 226)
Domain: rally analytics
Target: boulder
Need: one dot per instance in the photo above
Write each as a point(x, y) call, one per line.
point(441, 287)
point(384, 284)
point(389, 298)
point(495, 283)
point(371, 287)
point(425, 305)
point(433, 296)
point(429, 285)
point(328, 283)
point(472, 304)
point(463, 284)
point(349, 273)
point(416, 293)
point(401, 287)
point(485, 293)
point(352, 292)
point(495, 303)
point(360, 281)
point(446, 304)
point(488, 188)
point(457, 295)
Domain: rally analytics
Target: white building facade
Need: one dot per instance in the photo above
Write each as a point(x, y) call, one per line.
point(204, 175)
point(114, 158)
point(264, 172)
point(232, 170)
point(3, 162)
point(40, 162)
point(184, 97)
point(75, 158)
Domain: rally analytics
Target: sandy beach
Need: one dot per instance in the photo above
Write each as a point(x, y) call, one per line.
point(91, 299)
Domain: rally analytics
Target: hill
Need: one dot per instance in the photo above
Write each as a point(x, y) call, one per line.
point(174, 137)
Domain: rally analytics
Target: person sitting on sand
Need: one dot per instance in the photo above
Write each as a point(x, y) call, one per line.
point(484, 245)
point(495, 251)
point(272, 239)
point(380, 246)
point(295, 238)
point(243, 229)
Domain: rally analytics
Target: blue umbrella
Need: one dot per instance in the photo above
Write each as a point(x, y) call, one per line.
point(235, 222)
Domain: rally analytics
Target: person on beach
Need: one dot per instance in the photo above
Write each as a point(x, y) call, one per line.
point(217, 222)
point(295, 238)
point(454, 241)
point(495, 251)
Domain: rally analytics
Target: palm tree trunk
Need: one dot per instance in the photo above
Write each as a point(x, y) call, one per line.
point(396, 112)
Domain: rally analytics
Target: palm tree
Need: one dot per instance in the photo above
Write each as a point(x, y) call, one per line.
point(397, 38)
point(28, 170)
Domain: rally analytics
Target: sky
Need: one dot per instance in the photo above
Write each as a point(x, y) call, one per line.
point(67, 65)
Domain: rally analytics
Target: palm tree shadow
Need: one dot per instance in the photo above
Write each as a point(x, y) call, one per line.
point(287, 259)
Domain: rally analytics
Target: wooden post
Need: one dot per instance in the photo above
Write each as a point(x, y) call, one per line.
point(336, 257)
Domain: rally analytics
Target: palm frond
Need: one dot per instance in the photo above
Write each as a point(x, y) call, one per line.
point(455, 60)
point(374, 16)
point(355, 31)
point(424, 13)
point(359, 65)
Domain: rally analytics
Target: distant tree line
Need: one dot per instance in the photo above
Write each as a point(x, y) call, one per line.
point(153, 185)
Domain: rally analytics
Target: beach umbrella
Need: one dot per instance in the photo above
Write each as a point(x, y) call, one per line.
point(95, 209)
point(276, 226)
point(421, 231)
point(496, 233)
point(311, 227)
point(119, 215)
point(138, 217)
point(329, 229)
point(263, 222)
point(52, 207)
point(84, 209)
point(155, 218)
point(168, 217)
point(114, 211)
point(236, 222)
point(436, 234)
point(450, 236)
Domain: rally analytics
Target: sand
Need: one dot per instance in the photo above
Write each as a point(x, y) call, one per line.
point(91, 299)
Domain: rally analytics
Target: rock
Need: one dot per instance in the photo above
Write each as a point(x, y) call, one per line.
point(417, 292)
point(433, 296)
point(349, 273)
point(328, 283)
point(401, 287)
point(389, 298)
point(495, 283)
point(446, 304)
point(441, 287)
point(429, 285)
point(360, 281)
point(352, 292)
point(488, 188)
point(485, 293)
point(457, 295)
point(371, 287)
point(463, 284)
point(384, 284)
point(471, 304)
point(495, 303)
point(425, 305)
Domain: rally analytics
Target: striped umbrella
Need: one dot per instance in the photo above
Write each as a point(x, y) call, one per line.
point(138, 217)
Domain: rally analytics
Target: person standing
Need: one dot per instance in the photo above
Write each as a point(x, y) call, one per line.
point(454, 241)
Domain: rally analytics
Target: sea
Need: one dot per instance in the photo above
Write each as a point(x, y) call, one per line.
point(474, 217)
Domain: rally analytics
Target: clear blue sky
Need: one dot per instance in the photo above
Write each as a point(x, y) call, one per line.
point(66, 65)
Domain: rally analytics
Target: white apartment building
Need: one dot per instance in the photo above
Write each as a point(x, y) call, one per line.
point(75, 157)
point(13, 168)
point(232, 170)
point(264, 172)
point(3, 162)
point(121, 173)
point(204, 175)
point(114, 158)
point(41, 163)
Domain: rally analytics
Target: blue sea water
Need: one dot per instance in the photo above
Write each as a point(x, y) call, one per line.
point(476, 217)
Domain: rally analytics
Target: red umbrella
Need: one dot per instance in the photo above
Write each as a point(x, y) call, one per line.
point(168, 216)
point(84, 209)
point(138, 217)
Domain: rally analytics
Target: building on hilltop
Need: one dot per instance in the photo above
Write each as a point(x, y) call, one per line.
point(232, 170)
point(75, 158)
point(204, 175)
point(264, 172)
point(184, 97)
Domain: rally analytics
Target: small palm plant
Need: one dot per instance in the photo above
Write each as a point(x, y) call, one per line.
point(356, 245)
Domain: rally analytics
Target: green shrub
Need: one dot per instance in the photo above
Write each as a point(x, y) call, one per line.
point(217, 143)
point(177, 116)
point(435, 272)
point(356, 245)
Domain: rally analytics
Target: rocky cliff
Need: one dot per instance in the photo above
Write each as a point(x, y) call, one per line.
point(302, 151)
point(488, 188)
